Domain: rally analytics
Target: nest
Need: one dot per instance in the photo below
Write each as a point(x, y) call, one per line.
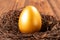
point(9, 28)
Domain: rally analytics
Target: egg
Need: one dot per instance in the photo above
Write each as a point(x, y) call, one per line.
point(30, 20)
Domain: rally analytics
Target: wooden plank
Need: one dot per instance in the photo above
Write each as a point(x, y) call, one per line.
point(48, 7)
point(55, 8)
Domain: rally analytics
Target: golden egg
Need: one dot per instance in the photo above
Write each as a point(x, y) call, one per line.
point(29, 20)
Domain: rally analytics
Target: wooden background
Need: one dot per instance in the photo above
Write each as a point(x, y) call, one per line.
point(48, 7)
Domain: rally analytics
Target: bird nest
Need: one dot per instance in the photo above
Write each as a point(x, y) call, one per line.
point(9, 28)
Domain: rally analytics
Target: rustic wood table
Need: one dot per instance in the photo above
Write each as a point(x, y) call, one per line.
point(49, 7)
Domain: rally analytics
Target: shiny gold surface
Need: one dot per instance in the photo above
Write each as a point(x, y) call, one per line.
point(30, 20)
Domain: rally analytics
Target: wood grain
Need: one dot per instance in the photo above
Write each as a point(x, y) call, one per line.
point(48, 7)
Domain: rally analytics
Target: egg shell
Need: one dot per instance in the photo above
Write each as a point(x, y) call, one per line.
point(30, 20)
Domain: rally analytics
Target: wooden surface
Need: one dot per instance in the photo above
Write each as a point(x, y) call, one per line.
point(48, 7)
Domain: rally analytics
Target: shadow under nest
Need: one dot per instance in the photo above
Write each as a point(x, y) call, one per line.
point(9, 28)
